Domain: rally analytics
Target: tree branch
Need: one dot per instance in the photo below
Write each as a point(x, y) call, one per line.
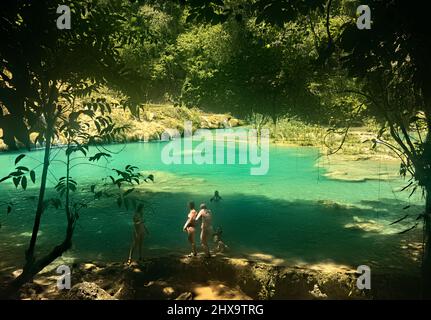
point(328, 31)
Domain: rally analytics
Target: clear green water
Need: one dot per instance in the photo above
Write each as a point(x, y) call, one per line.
point(284, 214)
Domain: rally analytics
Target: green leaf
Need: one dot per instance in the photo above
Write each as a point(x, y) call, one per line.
point(97, 156)
point(18, 159)
point(39, 139)
point(16, 181)
point(97, 126)
point(82, 149)
point(405, 187)
point(413, 191)
point(149, 177)
point(408, 229)
point(33, 176)
point(128, 191)
point(21, 168)
point(399, 220)
point(24, 182)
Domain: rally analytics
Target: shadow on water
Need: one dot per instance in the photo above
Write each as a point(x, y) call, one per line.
point(295, 231)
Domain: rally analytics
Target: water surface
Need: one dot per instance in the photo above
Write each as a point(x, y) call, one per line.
point(292, 213)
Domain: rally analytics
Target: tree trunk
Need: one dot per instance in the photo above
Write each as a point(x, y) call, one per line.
point(11, 291)
point(29, 254)
point(32, 266)
point(426, 264)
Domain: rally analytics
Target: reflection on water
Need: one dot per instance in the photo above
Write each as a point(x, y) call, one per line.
point(293, 214)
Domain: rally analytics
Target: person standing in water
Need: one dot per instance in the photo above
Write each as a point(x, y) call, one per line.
point(206, 228)
point(139, 231)
point(190, 227)
point(216, 197)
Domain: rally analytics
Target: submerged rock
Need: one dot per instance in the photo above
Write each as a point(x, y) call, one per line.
point(359, 168)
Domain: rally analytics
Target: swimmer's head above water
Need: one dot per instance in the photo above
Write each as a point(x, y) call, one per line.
point(216, 197)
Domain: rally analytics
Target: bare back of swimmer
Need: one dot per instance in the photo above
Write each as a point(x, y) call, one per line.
point(190, 227)
point(206, 227)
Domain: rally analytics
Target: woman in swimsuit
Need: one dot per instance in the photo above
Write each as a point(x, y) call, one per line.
point(190, 227)
point(139, 231)
point(206, 227)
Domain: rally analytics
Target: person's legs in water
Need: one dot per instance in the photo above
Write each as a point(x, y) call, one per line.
point(204, 241)
point(191, 238)
point(132, 248)
point(141, 246)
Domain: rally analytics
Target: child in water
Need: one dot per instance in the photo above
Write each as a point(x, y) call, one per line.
point(139, 231)
point(220, 245)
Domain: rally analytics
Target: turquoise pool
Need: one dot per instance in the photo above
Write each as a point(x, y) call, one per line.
point(293, 213)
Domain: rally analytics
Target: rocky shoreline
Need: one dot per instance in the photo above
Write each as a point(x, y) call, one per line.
point(179, 277)
point(154, 120)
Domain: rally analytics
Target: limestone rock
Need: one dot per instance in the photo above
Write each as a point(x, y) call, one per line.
point(316, 293)
point(185, 296)
point(88, 291)
point(233, 122)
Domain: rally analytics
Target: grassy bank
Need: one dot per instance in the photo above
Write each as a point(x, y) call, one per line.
point(357, 160)
point(357, 141)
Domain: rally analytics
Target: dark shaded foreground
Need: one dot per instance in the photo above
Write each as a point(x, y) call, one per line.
point(180, 277)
